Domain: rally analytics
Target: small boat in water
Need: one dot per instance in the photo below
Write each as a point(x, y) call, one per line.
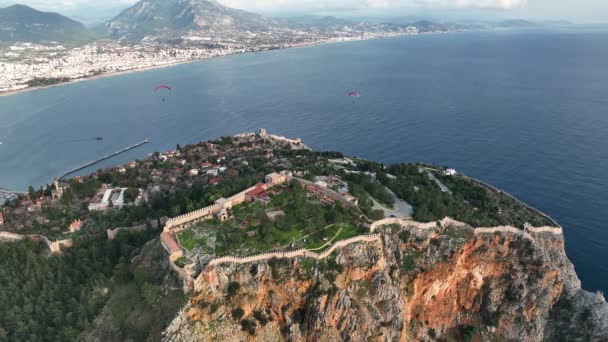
point(99, 138)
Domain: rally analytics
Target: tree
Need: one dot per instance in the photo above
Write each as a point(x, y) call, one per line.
point(233, 288)
point(238, 313)
point(32, 192)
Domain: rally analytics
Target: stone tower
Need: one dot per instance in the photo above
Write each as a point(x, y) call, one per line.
point(57, 193)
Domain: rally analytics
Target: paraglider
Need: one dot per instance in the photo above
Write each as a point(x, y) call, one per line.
point(163, 87)
point(166, 87)
point(354, 94)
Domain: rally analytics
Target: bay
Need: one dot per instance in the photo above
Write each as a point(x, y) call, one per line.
point(525, 110)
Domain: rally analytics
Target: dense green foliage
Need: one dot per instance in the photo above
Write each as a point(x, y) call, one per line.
point(362, 182)
point(41, 82)
point(54, 298)
point(468, 201)
point(143, 303)
point(307, 223)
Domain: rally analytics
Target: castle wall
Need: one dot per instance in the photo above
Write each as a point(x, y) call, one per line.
point(296, 253)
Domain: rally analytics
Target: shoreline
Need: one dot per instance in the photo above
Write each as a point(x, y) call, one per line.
point(153, 67)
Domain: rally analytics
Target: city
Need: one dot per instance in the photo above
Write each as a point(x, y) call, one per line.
point(25, 65)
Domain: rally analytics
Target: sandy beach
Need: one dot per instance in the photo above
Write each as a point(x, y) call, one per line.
point(147, 68)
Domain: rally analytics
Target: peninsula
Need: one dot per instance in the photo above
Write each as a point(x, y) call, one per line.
point(258, 236)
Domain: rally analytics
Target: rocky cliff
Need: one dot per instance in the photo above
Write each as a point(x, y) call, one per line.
point(414, 284)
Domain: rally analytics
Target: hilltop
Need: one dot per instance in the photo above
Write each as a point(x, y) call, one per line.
point(258, 236)
point(20, 23)
point(171, 19)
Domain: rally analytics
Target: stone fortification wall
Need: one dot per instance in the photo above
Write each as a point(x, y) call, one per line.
point(175, 223)
point(526, 232)
point(53, 246)
point(296, 253)
point(402, 222)
point(183, 275)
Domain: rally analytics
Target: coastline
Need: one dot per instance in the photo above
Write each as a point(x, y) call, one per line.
point(153, 67)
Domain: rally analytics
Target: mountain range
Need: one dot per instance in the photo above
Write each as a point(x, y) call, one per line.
point(25, 24)
point(170, 18)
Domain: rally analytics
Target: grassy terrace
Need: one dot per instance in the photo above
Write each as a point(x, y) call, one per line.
point(305, 223)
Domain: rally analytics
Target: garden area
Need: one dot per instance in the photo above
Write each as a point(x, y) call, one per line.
point(293, 219)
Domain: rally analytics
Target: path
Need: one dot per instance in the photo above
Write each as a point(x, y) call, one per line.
point(438, 182)
point(328, 242)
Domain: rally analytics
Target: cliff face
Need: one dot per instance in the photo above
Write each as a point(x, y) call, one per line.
point(415, 284)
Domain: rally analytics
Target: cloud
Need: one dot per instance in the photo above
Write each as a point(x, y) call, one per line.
point(370, 4)
point(282, 5)
point(278, 4)
point(61, 5)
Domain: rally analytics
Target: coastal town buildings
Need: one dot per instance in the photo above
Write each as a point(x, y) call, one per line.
point(23, 63)
point(450, 172)
point(106, 198)
point(75, 226)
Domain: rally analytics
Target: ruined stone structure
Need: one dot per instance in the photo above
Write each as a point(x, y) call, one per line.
point(53, 246)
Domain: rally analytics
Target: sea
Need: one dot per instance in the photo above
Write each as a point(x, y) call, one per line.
point(525, 110)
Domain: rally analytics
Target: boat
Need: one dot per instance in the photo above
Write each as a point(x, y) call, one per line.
point(99, 138)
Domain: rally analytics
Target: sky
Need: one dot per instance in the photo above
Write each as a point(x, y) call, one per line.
point(582, 11)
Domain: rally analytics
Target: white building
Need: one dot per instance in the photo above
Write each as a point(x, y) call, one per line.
point(101, 201)
point(450, 172)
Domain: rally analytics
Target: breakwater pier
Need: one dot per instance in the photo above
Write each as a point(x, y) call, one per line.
point(84, 166)
point(8, 194)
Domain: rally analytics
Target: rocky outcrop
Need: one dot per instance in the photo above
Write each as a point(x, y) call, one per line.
point(418, 282)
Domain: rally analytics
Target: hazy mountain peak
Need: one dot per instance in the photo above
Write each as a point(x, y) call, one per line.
point(170, 18)
point(21, 23)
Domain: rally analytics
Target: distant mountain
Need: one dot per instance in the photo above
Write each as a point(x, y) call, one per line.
point(173, 18)
point(20, 23)
point(430, 26)
point(516, 23)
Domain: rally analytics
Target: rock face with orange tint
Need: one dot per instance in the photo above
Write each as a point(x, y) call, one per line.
point(443, 283)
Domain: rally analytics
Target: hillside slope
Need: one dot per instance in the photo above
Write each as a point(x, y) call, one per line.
point(166, 18)
point(19, 23)
point(442, 283)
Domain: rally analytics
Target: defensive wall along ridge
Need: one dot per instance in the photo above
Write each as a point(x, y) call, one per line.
point(528, 229)
point(176, 222)
point(53, 246)
point(527, 233)
point(296, 253)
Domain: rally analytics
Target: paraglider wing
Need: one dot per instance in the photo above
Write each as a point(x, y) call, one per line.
point(163, 87)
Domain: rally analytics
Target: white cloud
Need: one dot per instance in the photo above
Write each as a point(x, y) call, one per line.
point(62, 5)
point(370, 4)
point(59, 5)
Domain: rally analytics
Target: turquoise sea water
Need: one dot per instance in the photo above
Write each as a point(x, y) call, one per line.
point(524, 110)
